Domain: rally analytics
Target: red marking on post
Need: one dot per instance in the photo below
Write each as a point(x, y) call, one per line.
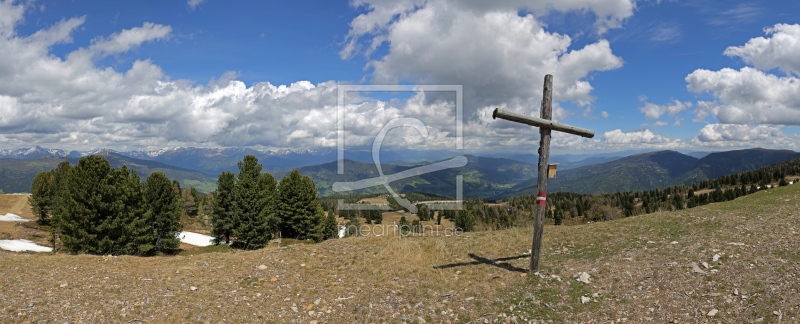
point(541, 198)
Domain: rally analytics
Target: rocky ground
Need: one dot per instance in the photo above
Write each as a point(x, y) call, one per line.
point(734, 262)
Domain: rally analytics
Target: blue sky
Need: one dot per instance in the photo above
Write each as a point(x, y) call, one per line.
point(684, 75)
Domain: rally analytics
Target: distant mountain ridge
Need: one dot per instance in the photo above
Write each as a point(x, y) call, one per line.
point(658, 169)
point(483, 177)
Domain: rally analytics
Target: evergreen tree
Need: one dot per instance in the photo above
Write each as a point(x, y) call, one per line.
point(223, 219)
point(416, 226)
point(465, 220)
point(331, 226)
point(41, 198)
point(165, 217)
point(188, 201)
point(405, 227)
point(254, 196)
point(103, 210)
point(558, 217)
point(61, 175)
point(299, 212)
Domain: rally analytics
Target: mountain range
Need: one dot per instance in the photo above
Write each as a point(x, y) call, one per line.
point(494, 177)
point(658, 169)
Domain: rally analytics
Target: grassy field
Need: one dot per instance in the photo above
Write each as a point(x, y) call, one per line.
point(734, 262)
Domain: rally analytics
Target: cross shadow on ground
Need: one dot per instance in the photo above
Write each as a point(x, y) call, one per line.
point(492, 262)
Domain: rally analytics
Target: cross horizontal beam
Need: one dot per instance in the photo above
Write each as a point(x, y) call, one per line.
point(541, 123)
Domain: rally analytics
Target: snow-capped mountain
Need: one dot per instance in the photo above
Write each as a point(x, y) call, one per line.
point(36, 151)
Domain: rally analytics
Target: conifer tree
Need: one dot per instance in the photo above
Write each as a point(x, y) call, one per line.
point(102, 210)
point(299, 212)
point(331, 226)
point(223, 218)
point(465, 220)
point(253, 194)
point(41, 198)
point(165, 217)
point(61, 175)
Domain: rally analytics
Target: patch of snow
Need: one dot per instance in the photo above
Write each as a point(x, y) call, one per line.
point(195, 239)
point(12, 218)
point(23, 245)
point(342, 231)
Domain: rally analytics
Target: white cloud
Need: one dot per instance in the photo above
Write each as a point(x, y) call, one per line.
point(753, 95)
point(645, 136)
point(747, 96)
point(499, 56)
point(722, 132)
point(739, 136)
point(779, 51)
point(194, 3)
point(10, 15)
point(382, 15)
point(653, 111)
point(129, 39)
point(604, 114)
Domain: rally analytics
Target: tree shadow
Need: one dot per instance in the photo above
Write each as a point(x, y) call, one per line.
point(492, 262)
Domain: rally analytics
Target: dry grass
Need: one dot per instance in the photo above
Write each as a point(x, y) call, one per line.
point(374, 200)
point(637, 273)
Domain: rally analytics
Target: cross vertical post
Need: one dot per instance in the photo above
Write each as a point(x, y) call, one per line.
point(541, 186)
point(546, 125)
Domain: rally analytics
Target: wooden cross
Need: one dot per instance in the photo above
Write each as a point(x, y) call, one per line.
point(545, 125)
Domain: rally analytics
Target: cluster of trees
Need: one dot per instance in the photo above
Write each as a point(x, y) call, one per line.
point(564, 205)
point(94, 208)
point(518, 211)
point(250, 208)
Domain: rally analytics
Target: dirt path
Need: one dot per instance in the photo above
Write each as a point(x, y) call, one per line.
point(21, 206)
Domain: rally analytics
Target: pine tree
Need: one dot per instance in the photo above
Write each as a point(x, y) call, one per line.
point(254, 196)
point(465, 220)
point(102, 210)
point(299, 212)
point(61, 175)
point(41, 198)
point(131, 211)
point(188, 201)
point(165, 217)
point(223, 219)
point(405, 227)
point(331, 226)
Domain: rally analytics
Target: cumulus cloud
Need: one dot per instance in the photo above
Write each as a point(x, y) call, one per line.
point(778, 51)
point(735, 136)
point(70, 101)
point(752, 95)
point(748, 96)
point(653, 111)
point(645, 136)
point(722, 132)
point(499, 56)
point(382, 15)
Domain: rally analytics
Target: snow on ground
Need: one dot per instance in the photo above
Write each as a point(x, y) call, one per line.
point(23, 245)
point(12, 218)
point(195, 239)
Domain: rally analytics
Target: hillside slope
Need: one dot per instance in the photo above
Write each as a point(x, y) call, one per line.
point(482, 177)
point(16, 175)
point(644, 268)
point(653, 170)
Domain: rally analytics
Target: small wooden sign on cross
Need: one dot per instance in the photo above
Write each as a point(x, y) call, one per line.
point(545, 125)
